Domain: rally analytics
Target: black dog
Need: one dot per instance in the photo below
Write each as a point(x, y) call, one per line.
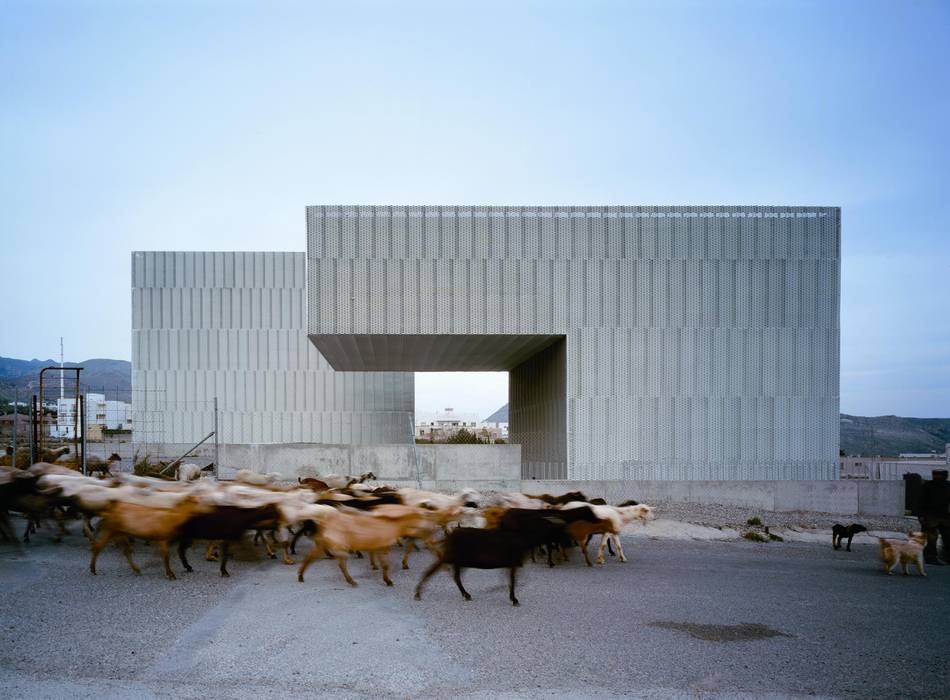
point(838, 532)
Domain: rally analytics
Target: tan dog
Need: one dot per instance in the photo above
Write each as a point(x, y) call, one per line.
point(904, 551)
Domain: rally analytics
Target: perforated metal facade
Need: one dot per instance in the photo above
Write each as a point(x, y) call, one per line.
point(233, 326)
point(669, 342)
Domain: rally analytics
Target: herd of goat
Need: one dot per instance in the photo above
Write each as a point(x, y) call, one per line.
point(342, 515)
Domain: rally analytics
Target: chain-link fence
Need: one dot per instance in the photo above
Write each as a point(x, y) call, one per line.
point(166, 430)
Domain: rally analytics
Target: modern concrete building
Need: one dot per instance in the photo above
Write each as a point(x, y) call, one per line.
point(232, 326)
point(642, 342)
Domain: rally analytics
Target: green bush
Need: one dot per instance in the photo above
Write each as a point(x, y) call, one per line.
point(754, 520)
point(463, 437)
point(755, 537)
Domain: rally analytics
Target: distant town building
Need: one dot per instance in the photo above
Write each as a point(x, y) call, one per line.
point(442, 425)
point(108, 415)
point(497, 424)
point(22, 426)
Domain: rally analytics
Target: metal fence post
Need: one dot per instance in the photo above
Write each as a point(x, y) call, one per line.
point(16, 419)
point(415, 451)
point(33, 420)
point(216, 441)
point(82, 427)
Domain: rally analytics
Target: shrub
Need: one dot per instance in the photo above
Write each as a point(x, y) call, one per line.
point(754, 520)
point(775, 538)
point(463, 437)
point(755, 537)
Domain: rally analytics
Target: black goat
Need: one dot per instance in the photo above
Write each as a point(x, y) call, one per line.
point(559, 500)
point(225, 523)
point(469, 547)
point(546, 527)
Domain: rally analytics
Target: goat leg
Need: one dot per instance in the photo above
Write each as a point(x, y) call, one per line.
point(341, 561)
point(60, 524)
point(280, 539)
point(383, 556)
point(87, 527)
point(457, 575)
point(601, 559)
point(311, 555)
point(405, 555)
point(616, 538)
point(211, 553)
point(126, 546)
point(163, 549)
point(97, 546)
point(297, 536)
point(427, 575)
point(583, 546)
point(224, 558)
point(270, 550)
point(183, 546)
point(286, 556)
point(6, 529)
point(511, 586)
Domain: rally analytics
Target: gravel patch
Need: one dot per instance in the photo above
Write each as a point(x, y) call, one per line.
point(737, 516)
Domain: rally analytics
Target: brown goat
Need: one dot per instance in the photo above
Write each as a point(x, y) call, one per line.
point(161, 525)
point(341, 532)
point(314, 484)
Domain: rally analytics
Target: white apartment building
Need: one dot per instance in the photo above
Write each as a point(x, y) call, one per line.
point(111, 415)
point(443, 424)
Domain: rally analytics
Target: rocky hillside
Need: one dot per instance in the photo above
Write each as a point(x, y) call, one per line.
point(891, 435)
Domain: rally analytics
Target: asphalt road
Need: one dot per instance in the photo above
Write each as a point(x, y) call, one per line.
point(710, 620)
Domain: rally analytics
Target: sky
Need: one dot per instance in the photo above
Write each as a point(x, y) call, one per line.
point(210, 125)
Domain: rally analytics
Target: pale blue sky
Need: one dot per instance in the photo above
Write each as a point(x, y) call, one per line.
point(210, 125)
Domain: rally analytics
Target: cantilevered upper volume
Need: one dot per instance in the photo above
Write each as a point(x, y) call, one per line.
point(642, 342)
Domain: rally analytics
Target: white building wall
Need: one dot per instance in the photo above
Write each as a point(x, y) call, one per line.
point(232, 325)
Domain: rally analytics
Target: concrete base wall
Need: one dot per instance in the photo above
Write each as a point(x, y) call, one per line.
point(841, 497)
point(498, 468)
point(441, 467)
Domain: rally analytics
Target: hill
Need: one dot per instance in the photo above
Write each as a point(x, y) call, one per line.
point(879, 435)
point(112, 377)
point(891, 435)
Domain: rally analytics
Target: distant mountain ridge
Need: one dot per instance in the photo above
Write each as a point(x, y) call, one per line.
point(871, 436)
point(112, 377)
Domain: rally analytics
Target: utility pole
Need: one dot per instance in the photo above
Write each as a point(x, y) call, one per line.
point(16, 419)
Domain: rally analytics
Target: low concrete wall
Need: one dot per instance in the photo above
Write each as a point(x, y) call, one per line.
point(441, 467)
point(498, 468)
point(849, 497)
